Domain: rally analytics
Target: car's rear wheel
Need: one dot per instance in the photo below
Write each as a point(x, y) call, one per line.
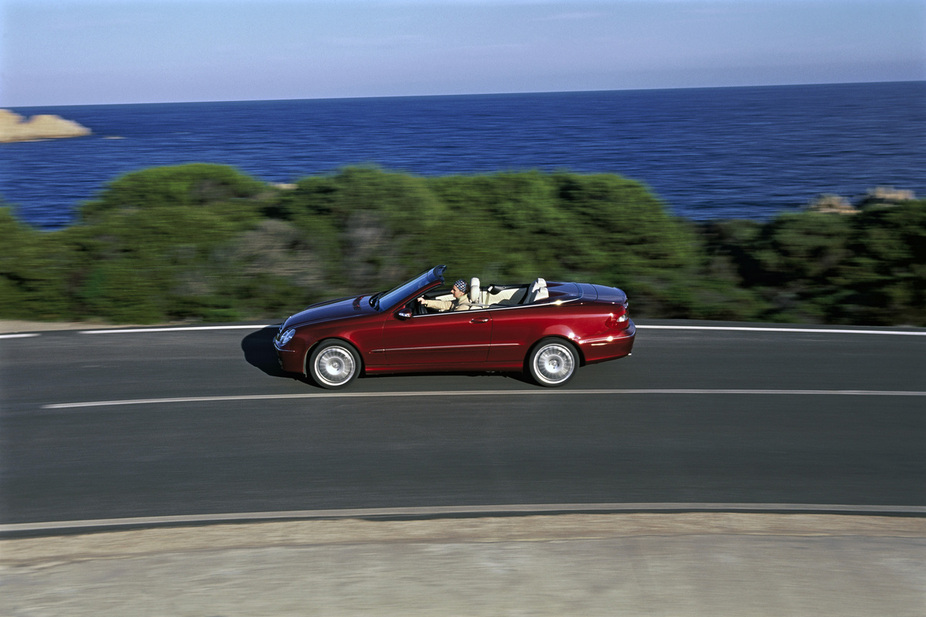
point(553, 362)
point(334, 364)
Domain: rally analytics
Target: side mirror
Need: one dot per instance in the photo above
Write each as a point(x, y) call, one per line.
point(404, 314)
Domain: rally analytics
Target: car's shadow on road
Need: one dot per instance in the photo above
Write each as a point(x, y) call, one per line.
point(259, 352)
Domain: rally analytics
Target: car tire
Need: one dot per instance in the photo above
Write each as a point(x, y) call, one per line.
point(333, 364)
point(553, 362)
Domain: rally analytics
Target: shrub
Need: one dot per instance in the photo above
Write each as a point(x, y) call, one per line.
point(205, 242)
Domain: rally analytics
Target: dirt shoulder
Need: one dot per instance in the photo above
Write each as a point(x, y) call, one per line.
point(16, 326)
point(692, 564)
point(553, 528)
point(21, 326)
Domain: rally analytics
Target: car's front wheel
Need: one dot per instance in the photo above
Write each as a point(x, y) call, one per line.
point(334, 364)
point(553, 362)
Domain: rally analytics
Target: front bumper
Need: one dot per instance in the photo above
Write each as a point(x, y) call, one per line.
point(290, 351)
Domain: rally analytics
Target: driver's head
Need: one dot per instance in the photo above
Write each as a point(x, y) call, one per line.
point(459, 288)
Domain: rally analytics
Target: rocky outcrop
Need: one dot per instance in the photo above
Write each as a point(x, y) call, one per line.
point(832, 204)
point(886, 196)
point(880, 196)
point(14, 127)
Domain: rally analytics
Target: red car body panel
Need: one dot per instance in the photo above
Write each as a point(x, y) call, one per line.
point(403, 338)
point(453, 338)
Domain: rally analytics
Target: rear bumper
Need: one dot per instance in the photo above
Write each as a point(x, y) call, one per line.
point(617, 345)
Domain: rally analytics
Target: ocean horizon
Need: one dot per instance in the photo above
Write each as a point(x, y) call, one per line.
point(707, 153)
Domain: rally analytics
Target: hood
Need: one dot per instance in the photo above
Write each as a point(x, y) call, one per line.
point(342, 308)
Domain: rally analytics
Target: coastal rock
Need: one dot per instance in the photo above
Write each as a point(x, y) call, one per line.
point(14, 127)
point(832, 204)
point(880, 196)
point(886, 196)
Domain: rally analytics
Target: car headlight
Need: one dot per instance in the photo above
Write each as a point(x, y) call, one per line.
point(285, 337)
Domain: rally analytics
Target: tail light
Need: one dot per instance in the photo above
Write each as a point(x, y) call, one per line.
point(618, 320)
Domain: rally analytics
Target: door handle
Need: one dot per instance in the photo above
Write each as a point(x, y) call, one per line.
point(479, 320)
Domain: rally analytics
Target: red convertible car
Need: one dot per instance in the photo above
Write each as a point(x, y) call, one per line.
point(546, 329)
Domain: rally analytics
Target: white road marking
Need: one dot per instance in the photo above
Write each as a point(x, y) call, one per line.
point(790, 330)
point(493, 393)
point(175, 329)
point(442, 511)
point(820, 330)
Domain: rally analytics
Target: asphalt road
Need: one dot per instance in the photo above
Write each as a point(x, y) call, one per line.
point(140, 424)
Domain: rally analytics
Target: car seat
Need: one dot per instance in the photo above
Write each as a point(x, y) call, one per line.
point(475, 294)
point(538, 291)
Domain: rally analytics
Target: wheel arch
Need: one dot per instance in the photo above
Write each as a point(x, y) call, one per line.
point(580, 356)
point(552, 367)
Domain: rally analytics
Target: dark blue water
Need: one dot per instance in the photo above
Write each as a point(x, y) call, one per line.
point(708, 153)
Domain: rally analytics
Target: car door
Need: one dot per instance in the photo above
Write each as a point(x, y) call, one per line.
point(453, 338)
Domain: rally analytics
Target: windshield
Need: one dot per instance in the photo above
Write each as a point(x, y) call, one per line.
point(386, 300)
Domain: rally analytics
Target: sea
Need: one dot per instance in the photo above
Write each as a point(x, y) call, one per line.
point(707, 153)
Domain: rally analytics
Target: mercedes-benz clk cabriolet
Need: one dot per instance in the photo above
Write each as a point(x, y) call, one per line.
point(546, 330)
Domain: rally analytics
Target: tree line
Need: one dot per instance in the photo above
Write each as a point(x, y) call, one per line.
point(208, 243)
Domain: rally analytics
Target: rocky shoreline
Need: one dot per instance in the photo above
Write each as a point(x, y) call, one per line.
point(14, 127)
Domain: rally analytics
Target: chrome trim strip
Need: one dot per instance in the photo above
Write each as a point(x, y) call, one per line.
point(431, 348)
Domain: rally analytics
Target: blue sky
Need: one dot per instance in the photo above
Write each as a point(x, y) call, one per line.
point(63, 52)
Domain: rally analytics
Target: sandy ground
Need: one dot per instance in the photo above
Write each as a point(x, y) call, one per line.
point(627, 564)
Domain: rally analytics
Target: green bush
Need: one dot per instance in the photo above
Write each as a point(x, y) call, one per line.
point(188, 186)
point(207, 243)
point(368, 228)
point(34, 271)
point(603, 228)
point(864, 268)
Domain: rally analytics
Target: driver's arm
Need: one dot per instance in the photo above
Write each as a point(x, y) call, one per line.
point(441, 305)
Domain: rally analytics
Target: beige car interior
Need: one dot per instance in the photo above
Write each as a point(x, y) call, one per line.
point(504, 296)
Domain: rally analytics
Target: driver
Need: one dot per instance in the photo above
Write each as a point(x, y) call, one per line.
point(459, 303)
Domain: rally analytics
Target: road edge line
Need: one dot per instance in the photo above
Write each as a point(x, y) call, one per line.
point(437, 512)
